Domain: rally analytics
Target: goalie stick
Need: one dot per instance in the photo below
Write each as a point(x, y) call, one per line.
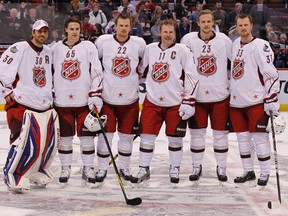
point(134, 201)
point(116, 156)
point(275, 160)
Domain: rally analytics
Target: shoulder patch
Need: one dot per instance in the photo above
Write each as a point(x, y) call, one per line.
point(266, 48)
point(14, 49)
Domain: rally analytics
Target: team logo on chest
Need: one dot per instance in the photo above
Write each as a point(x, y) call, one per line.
point(207, 65)
point(39, 76)
point(71, 69)
point(121, 66)
point(238, 69)
point(160, 72)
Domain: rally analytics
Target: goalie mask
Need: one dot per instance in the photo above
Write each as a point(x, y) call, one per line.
point(279, 124)
point(91, 122)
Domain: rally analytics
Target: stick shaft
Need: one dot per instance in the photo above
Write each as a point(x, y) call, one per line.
point(275, 157)
point(135, 201)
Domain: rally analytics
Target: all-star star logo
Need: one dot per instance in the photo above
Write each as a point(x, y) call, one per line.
point(71, 97)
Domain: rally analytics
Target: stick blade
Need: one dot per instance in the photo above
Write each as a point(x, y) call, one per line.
point(274, 205)
point(135, 201)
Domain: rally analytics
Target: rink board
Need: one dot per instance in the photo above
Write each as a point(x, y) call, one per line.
point(283, 97)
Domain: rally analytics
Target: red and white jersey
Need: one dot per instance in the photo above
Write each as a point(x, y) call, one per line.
point(211, 61)
point(253, 75)
point(171, 75)
point(120, 61)
point(26, 70)
point(77, 72)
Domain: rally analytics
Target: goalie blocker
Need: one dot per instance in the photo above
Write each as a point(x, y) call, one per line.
point(32, 154)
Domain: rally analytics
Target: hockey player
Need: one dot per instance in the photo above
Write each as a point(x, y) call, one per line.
point(78, 85)
point(254, 93)
point(211, 51)
point(120, 54)
point(26, 85)
point(171, 90)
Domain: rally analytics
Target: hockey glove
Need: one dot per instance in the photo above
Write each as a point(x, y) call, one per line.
point(187, 108)
point(92, 123)
point(278, 123)
point(95, 101)
point(271, 103)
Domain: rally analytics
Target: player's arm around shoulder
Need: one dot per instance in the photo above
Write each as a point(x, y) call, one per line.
point(56, 45)
point(227, 43)
point(102, 43)
point(187, 37)
point(187, 56)
point(140, 42)
point(54, 50)
point(189, 67)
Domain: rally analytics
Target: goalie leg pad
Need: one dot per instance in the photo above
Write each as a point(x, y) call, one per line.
point(52, 142)
point(13, 180)
point(29, 149)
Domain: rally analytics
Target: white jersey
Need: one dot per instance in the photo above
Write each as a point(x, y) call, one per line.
point(211, 61)
point(171, 75)
point(26, 70)
point(120, 62)
point(253, 75)
point(77, 72)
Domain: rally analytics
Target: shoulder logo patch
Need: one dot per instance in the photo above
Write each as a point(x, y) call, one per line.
point(266, 48)
point(13, 49)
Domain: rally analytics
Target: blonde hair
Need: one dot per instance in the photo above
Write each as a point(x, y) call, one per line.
point(204, 12)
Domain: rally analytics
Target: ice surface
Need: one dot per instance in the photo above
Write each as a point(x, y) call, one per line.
point(159, 197)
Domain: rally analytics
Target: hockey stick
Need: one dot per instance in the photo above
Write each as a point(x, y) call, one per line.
point(275, 160)
point(135, 201)
point(116, 156)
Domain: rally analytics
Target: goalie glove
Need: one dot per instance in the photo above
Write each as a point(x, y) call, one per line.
point(187, 108)
point(271, 103)
point(278, 123)
point(91, 122)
